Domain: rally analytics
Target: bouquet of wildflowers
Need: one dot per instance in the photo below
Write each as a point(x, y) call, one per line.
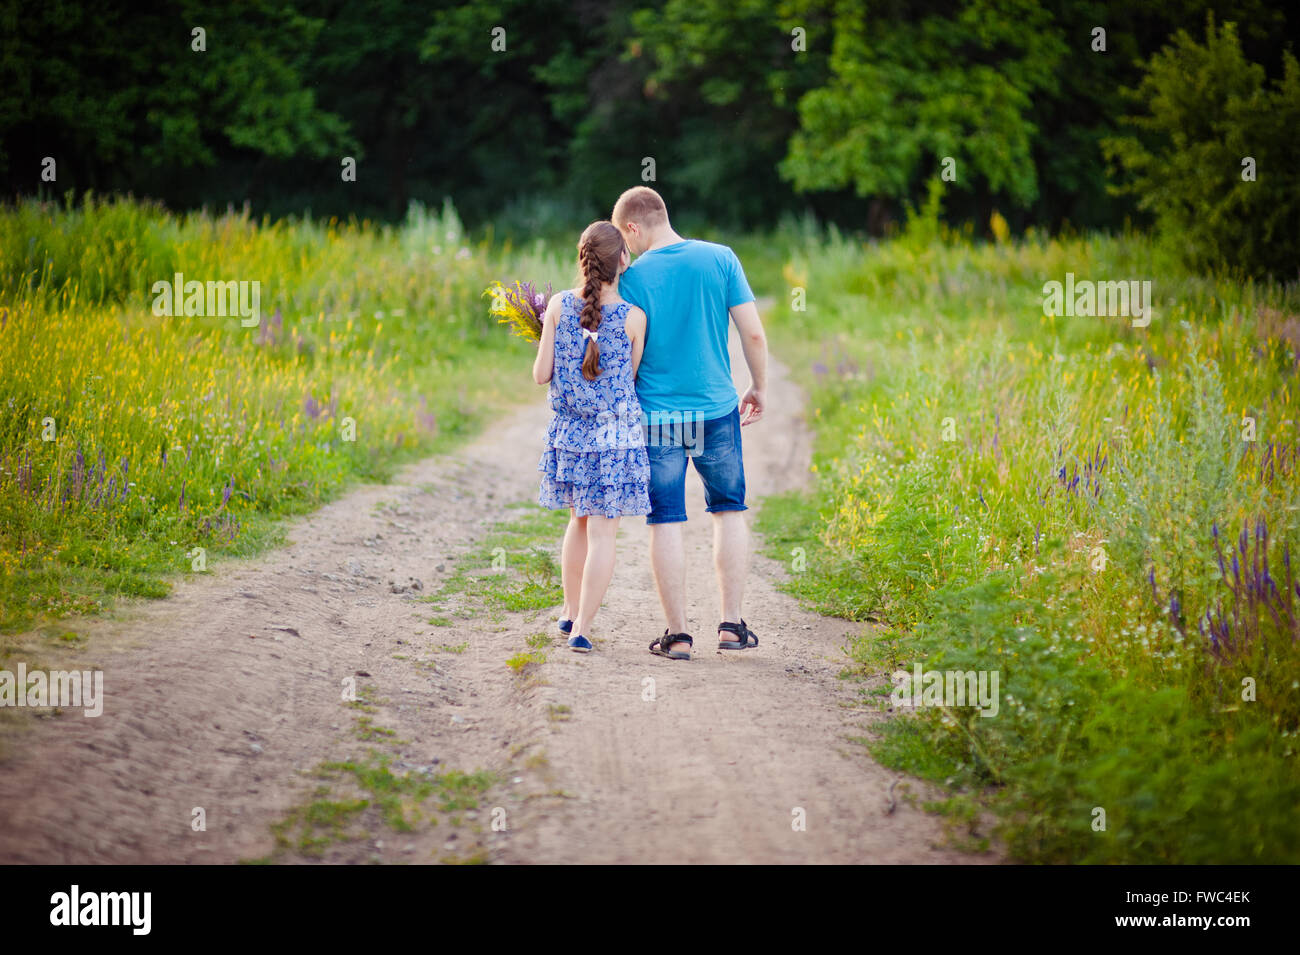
point(521, 306)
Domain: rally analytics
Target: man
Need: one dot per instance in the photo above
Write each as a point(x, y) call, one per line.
point(688, 288)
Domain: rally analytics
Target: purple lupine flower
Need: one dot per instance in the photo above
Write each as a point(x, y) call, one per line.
point(225, 494)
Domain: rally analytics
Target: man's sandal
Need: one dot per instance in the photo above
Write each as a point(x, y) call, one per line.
point(748, 638)
point(662, 645)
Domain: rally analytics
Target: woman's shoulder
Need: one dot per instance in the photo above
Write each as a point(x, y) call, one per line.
point(630, 310)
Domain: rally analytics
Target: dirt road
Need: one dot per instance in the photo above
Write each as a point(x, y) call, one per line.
point(226, 695)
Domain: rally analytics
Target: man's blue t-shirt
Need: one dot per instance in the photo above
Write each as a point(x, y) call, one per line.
point(686, 290)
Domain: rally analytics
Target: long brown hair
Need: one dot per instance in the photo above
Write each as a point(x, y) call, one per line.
point(599, 253)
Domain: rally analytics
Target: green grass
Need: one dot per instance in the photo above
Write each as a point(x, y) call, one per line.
point(169, 434)
point(363, 794)
point(966, 548)
point(399, 802)
point(523, 660)
point(512, 570)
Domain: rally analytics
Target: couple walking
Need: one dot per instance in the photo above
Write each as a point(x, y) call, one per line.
point(640, 382)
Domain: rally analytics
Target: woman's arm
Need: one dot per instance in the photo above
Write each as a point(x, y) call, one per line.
point(544, 364)
point(634, 325)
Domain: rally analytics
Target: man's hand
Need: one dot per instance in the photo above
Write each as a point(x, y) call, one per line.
point(756, 403)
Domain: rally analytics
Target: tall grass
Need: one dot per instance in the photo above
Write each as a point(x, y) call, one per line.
point(128, 440)
point(1097, 522)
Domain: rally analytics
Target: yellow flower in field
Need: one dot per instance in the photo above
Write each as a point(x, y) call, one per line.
point(1001, 231)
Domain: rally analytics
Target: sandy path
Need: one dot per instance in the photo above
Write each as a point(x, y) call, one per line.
point(226, 694)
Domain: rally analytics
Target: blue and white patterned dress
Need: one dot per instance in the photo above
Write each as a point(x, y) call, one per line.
point(595, 459)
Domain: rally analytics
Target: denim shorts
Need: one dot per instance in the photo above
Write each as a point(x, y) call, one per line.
point(713, 447)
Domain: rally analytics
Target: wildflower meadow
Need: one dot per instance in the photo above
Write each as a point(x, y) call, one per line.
point(138, 447)
point(1104, 513)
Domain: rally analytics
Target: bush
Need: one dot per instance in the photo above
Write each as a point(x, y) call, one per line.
point(1207, 111)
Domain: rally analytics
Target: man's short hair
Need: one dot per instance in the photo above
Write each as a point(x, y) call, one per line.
point(641, 205)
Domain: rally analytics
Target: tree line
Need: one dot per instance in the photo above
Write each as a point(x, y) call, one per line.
point(1053, 112)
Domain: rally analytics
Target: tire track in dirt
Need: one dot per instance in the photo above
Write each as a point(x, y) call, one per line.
point(226, 695)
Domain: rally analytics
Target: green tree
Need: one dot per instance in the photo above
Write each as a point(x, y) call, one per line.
point(121, 99)
point(909, 89)
point(723, 77)
point(1207, 115)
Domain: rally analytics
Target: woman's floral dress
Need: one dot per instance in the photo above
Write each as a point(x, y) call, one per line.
point(595, 459)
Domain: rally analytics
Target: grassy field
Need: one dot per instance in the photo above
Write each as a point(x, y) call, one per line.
point(1104, 515)
point(135, 447)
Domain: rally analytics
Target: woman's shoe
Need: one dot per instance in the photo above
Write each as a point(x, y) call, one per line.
point(580, 644)
point(566, 626)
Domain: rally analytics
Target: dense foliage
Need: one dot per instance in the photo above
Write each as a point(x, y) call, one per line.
point(1105, 514)
point(749, 109)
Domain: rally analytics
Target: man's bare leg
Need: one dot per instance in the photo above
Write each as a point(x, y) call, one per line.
point(730, 561)
point(668, 560)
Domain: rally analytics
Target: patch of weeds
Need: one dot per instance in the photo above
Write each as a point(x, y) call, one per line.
point(365, 701)
point(474, 858)
point(961, 817)
point(512, 570)
point(559, 712)
point(367, 730)
point(536, 761)
point(540, 641)
point(311, 828)
point(522, 661)
point(396, 796)
point(821, 579)
point(450, 648)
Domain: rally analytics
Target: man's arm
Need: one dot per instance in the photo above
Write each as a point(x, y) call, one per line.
point(753, 341)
